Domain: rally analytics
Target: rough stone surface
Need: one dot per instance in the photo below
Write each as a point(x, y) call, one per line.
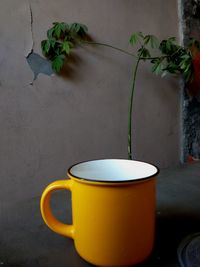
point(191, 103)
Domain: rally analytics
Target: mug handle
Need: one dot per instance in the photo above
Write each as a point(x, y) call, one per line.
point(48, 217)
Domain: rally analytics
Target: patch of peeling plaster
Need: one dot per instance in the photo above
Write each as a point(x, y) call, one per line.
point(39, 65)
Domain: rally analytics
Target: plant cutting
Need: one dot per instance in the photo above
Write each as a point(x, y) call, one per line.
point(165, 56)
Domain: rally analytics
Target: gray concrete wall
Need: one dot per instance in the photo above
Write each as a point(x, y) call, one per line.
point(51, 122)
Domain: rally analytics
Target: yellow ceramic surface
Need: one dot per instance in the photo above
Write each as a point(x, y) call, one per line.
point(113, 219)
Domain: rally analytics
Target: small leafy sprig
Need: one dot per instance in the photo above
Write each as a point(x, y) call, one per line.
point(61, 39)
point(171, 58)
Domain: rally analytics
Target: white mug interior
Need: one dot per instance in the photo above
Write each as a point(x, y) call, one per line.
point(113, 170)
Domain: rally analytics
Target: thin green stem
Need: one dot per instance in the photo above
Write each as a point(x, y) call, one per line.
point(130, 156)
point(124, 51)
point(111, 46)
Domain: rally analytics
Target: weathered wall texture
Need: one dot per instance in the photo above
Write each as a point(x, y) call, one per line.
point(191, 99)
point(49, 122)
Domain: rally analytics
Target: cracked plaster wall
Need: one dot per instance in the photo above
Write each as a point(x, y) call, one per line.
point(49, 122)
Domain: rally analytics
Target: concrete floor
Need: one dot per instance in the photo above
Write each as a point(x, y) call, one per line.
point(25, 241)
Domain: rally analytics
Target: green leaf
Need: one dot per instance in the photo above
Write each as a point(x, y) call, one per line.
point(136, 37)
point(84, 28)
point(62, 25)
point(59, 28)
point(154, 41)
point(45, 44)
point(158, 67)
point(182, 65)
point(147, 39)
point(172, 68)
point(71, 45)
point(144, 53)
point(50, 33)
point(52, 42)
point(66, 47)
point(75, 27)
point(168, 46)
point(57, 31)
point(189, 75)
point(185, 63)
point(187, 68)
point(185, 56)
point(58, 62)
point(78, 28)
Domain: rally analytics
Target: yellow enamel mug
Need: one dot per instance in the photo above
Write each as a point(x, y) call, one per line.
point(113, 210)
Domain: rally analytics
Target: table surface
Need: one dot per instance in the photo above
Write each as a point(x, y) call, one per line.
point(25, 241)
